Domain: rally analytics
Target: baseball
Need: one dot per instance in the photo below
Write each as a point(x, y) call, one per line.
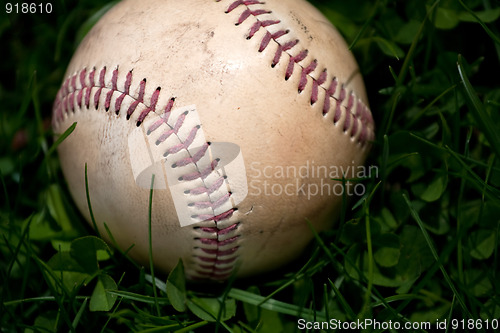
point(235, 117)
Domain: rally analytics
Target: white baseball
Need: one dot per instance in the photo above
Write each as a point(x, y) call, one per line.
point(242, 110)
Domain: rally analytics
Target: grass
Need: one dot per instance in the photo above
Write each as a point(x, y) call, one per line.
point(421, 246)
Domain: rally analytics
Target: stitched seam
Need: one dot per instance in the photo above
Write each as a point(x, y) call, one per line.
point(70, 97)
point(213, 257)
point(356, 111)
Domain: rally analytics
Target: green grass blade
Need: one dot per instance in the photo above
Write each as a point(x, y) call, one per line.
point(191, 328)
point(413, 46)
point(61, 138)
point(365, 25)
point(89, 203)
point(274, 305)
point(490, 33)
point(483, 119)
point(450, 283)
point(130, 296)
point(151, 265)
point(80, 313)
point(347, 308)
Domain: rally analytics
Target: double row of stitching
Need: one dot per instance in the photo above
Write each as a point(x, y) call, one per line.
point(217, 246)
point(358, 119)
point(76, 91)
point(215, 252)
point(214, 249)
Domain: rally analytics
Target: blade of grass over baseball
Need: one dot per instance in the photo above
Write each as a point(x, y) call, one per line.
point(60, 139)
point(447, 278)
point(483, 119)
point(89, 203)
point(92, 20)
point(116, 246)
point(151, 265)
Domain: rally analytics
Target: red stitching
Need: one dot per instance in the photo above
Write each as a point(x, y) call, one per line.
point(316, 85)
point(71, 96)
point(140, 99)
point(163, 118)
point(220, 253)
point(293, 60)
point(218, 261)
point(201, 174)
point(211, 204)
point(305, 72)
point(220, 231)
point(224, 216)
point(268, 37)
point(249, 12)
point(355, 108)
point(210, 190)
point(218, 256)
point(212, 241)
point(241, 2)
point(171, 131)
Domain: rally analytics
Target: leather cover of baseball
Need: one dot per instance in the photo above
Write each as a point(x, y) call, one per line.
point(235, 115)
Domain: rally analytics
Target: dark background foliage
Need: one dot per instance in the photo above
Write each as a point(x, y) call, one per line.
point(421, 246)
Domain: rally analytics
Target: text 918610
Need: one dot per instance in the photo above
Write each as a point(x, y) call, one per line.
point(28, 8)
